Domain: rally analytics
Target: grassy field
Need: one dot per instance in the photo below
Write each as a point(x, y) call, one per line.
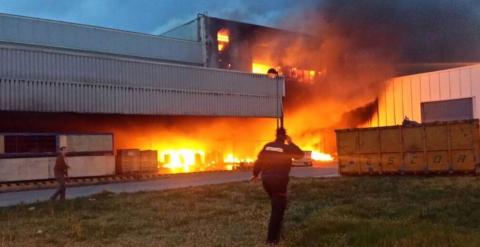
point(388, 211)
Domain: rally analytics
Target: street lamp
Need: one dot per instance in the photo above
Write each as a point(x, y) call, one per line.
point(273, 74)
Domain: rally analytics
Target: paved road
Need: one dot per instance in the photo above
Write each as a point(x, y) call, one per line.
point(179, 181)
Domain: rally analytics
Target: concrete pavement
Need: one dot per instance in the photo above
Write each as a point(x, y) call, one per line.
point(172, 182)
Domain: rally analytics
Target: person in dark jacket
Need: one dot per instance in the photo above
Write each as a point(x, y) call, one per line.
point(274, 163)
point(61, 173)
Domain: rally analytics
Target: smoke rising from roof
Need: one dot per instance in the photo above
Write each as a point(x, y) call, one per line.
point(360, 44)
point(419, 31)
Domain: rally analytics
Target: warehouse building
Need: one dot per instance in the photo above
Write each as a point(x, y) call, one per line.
point(66, 84)
point(50, 66)
point(235, 45)
point(444, 95)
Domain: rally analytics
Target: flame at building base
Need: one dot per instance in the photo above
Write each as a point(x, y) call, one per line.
point(198, 159)
point(321, 157)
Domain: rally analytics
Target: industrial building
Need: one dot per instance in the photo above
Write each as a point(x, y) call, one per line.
point(425, 123)
point(246, 47)
point(63, 83)
point(444, 95)
point(54, 73)
point(50, 66)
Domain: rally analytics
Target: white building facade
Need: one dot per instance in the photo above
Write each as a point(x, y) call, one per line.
point(445, 95)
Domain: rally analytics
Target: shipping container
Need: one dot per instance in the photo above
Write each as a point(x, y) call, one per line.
point(53, 81)
point(440, 147)
point(31, 156)
point(49, 33)
point(444, 95)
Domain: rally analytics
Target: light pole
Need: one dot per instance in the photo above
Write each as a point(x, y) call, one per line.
point(272, 73)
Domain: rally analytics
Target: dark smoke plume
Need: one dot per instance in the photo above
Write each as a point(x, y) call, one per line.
point(418, 31)
point(357, 116)
point(361, 43)
point(409, 31)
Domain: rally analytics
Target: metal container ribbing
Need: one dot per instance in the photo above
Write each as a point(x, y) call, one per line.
point(440, 147)
point(40, 32)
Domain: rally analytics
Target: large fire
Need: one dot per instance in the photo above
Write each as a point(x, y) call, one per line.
point(192, 156)
point(193, 160)
point(311, 106)
point(196, 145)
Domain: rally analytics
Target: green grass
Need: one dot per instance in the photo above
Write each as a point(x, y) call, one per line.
point(378, 211)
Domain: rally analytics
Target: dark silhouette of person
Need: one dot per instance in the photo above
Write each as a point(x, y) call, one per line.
point(61, 173)
point(274, 163)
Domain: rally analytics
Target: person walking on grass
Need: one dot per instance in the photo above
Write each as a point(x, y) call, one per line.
point(61, 174)
point(274, 163)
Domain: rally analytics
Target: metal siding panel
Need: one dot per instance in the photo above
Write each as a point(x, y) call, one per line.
point(382, 108)
point(73, 36)
point(475, 80)
point(390, 104)
point(455, 87)
point(425, 89)
point(407, 97)
point(416, 99)
point(398, 101)
point(202, 91)
point(434, 87)
point(132, 73)
point(445, 86)
point(465, 83)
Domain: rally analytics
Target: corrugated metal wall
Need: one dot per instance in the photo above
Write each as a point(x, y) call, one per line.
point(55, 81)
point(30, 63)
point(32, 31)
point(402, 96)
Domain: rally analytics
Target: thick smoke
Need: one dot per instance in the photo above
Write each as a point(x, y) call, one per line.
point(361, 43)
point(419, 31)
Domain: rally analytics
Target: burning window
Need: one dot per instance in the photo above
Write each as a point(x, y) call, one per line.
point(223, 38)
point(259, 68)
point(301, 75)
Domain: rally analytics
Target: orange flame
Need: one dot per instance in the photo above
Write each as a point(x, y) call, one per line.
point(259, 68)
point(223, 38)
point(322, 157)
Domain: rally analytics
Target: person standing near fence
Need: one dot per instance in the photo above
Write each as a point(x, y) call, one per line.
point(61, 174)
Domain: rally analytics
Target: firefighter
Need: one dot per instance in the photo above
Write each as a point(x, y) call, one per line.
point(61, 174)
point(274, 163)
